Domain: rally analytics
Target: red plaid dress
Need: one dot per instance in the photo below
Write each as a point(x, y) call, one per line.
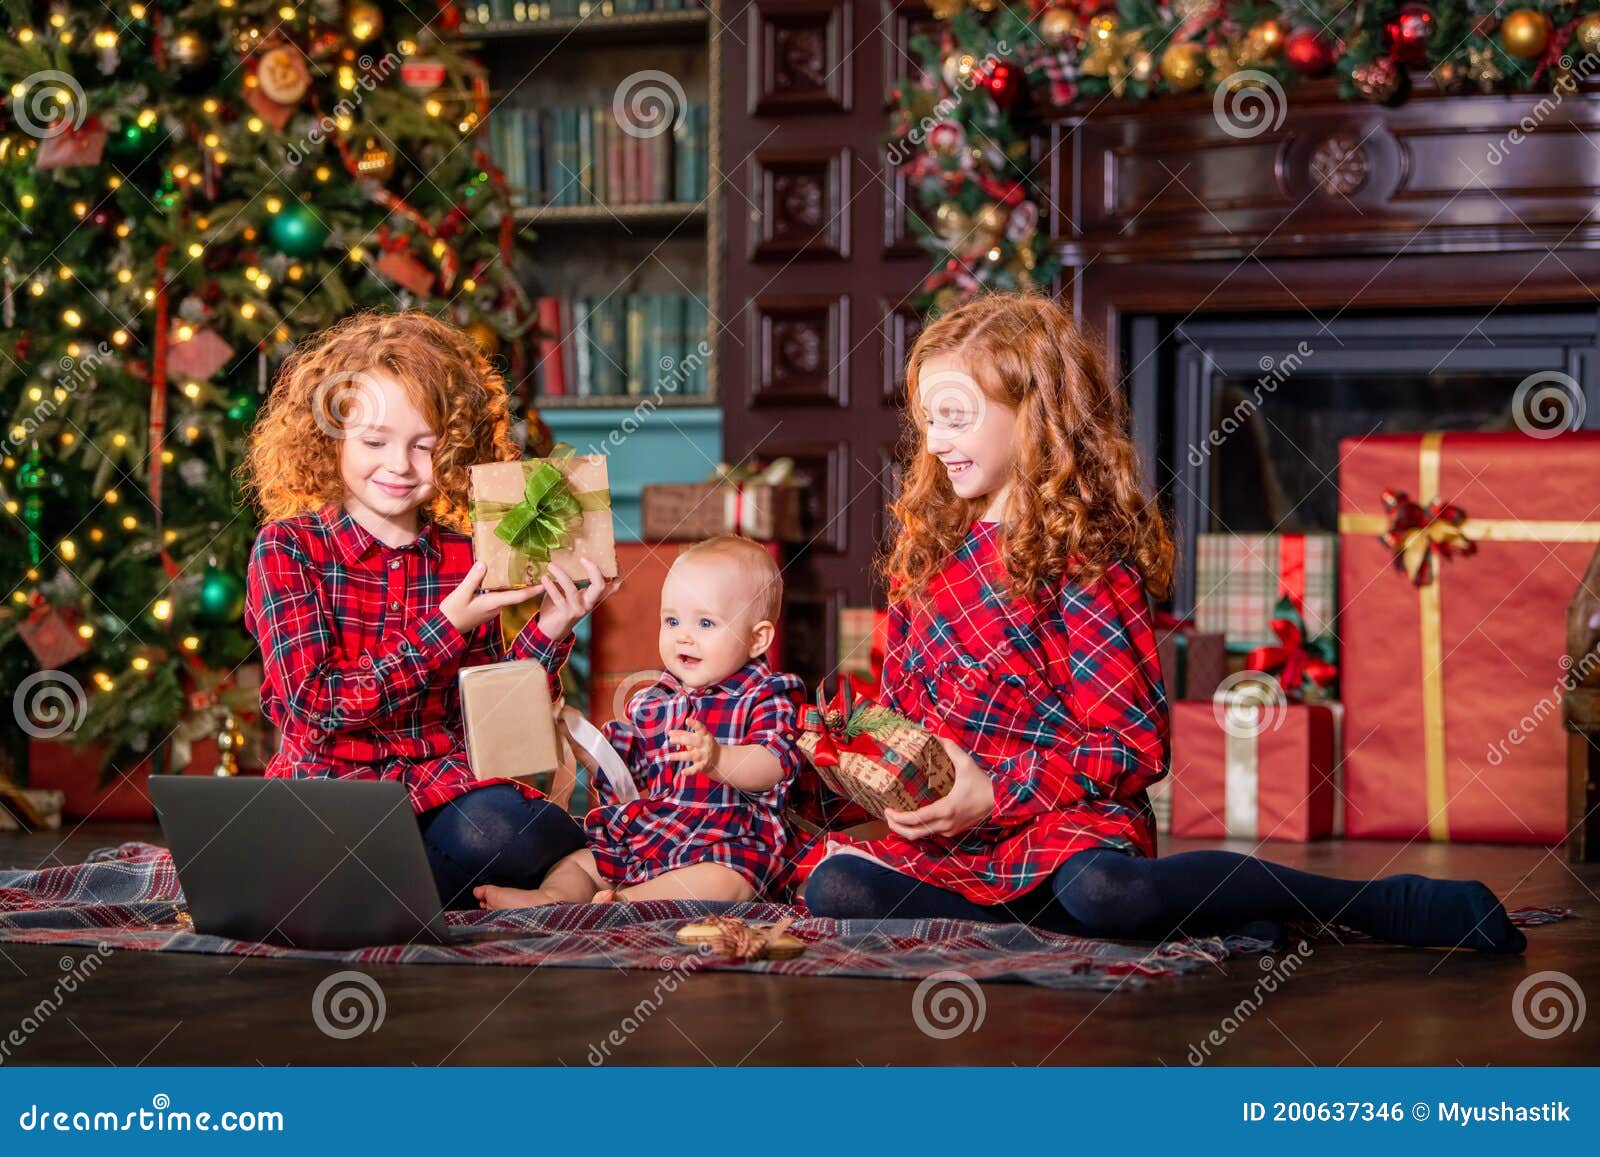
point(683, 819)
point(1060, 701)
point(360, 662)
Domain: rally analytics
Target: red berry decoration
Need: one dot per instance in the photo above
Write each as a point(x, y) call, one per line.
point(1408, 34)
point(1307, 52)
point(1005, 84)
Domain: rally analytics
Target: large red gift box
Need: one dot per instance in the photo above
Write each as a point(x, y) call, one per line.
point(1263, 773)
point(1453, 659)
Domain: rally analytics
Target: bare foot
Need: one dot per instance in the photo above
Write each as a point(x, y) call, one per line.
point(495, 896)
point(607, 896)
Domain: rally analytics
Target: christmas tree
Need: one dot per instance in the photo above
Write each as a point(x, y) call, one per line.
point(187, 191)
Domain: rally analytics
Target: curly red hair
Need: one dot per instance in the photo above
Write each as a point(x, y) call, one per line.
point(293, 462)
point(1077, 503)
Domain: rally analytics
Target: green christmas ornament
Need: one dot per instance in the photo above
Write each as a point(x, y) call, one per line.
point(298, 232)
point(221, 598)
point(132, 144)
point(243, 406)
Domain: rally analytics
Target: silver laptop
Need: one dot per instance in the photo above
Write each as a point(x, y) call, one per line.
point(308, 863)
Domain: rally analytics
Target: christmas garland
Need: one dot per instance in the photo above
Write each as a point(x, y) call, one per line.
point(960, 130)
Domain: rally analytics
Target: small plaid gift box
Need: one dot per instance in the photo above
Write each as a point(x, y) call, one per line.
point(1239, 579)
point(869, 754)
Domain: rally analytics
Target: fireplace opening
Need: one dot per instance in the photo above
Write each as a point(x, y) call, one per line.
point(1239, 417)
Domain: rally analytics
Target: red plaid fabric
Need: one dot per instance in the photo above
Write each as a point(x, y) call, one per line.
point(1059, 700)
point(361, 664)
point(683, 819)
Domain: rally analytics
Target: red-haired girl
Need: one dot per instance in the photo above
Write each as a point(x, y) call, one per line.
point(364, 596)
point(1020, 633)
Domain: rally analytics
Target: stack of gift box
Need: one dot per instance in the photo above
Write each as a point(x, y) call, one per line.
point(1402, 679)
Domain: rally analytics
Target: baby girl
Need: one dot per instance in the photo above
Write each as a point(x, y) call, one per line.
point(710, 745)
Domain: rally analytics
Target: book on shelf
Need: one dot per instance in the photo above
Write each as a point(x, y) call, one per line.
point(621, 346)
point(569, 156)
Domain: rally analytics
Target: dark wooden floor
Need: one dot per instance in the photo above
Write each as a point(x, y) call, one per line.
point(1351, 1005)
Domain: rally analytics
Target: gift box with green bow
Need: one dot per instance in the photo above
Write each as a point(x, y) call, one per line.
point(529, 516)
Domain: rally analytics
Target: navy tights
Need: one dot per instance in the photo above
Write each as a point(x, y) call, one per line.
point(494, 835)
point(1106, 893)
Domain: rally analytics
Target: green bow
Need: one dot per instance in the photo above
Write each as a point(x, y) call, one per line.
point(546, 518)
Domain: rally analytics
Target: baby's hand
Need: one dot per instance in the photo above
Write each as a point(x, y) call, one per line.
point(696, 748)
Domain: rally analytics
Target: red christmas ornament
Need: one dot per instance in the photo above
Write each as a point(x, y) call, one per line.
point(1005, 84)
point(1307, 52)
point(449, 18)
point(1408, 34)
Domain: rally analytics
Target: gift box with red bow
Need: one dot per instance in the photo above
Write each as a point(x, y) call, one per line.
point(869, 754)
point(1241, 581)
point(1459, 554)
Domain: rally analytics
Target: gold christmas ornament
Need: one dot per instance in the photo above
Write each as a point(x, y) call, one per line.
point(1587, 33)
point(1482, 69)
point(957, 69)
point(230, 741)
point(188, 50)
point(364, 20)
point(283, 75)
point(984, 5)
point(990, 223)
point(951, 222)
point(946, 9)
point(1109, 49)
point(1449, 75)
point(376, 162)
point(1223, 58)
point(1183, 67)
point(1262, 43)
point(1525, 32)
point(485, 337)
point(1059, 27)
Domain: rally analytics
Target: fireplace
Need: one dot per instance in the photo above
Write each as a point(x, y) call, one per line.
point(1241, 416)
point(1250, 290)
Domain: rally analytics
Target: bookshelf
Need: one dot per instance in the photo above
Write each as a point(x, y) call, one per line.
point(619, 213)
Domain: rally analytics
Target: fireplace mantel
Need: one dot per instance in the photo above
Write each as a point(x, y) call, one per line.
point(1161, 179)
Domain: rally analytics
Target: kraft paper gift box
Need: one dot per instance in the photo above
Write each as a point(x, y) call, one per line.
point(1251, 770)
point(761, 504)
point(872, 756)
point(1459, 554)
point(542, 512)
point(509, 719)
point(1239, 579)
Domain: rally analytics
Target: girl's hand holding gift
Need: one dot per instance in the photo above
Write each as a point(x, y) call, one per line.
point(564, 604)
point(970, 803)
point(697, 748)
point(468, 608)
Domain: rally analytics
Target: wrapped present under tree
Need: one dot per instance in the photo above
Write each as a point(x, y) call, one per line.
point(1240, 580)
point(1460, 553)
point(760, 503)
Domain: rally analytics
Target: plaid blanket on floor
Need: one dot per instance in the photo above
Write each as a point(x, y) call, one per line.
point(128, 898)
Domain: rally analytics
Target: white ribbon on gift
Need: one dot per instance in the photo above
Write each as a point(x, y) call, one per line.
point(1242, 787)
point(588, 740)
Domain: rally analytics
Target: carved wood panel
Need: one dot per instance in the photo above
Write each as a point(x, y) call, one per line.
point(799, 349)
point(802, 205)
point(797, 58)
